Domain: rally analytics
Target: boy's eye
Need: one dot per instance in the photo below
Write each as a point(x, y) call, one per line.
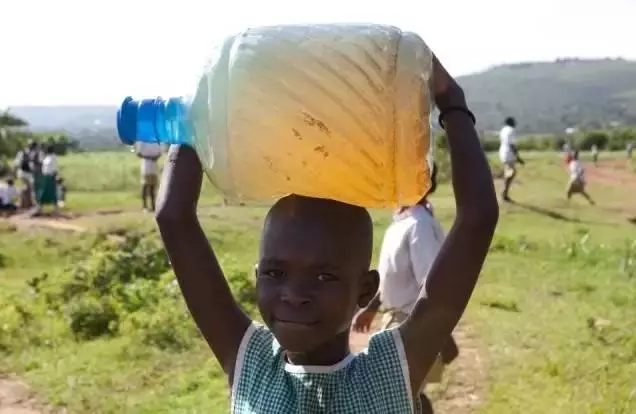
point(326, 277)
point(274, 274)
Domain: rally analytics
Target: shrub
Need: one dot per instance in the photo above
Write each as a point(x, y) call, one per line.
point(121, 286)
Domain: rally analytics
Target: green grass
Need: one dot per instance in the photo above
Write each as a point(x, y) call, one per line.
point(107, 180)
point(554, 309)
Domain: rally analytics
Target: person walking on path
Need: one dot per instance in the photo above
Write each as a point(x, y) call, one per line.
point(409, 248)
point(595, 154)
point(508, 155)
point(577, 179)
point(149, 153)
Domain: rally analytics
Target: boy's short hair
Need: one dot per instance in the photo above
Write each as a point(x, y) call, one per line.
point(351, 221)
point(511, 121)
point(10, 181)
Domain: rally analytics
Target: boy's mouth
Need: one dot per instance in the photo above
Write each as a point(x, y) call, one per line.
point(295, 322)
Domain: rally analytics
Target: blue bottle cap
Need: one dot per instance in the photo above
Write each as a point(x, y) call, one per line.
point(146, 117)
point(127, 121)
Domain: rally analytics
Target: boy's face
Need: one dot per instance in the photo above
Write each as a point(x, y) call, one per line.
point(310, 280)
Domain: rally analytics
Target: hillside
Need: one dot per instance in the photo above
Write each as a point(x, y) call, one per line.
point(552, 96)
point(543, 96)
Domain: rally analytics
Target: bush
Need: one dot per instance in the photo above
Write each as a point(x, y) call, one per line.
point(120, 286)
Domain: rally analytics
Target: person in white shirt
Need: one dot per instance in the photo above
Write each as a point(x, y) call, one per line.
point(595, 153)
point(409, 248)
point(8, 195)
point(508, 155)
point(46, 189)
point(577, 178)
point(149, 152)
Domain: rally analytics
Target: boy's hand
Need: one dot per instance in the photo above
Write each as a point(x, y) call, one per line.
point(363, 320)
point(446, 90)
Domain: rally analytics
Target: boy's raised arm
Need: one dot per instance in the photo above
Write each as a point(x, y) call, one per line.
point(207, 294)
point(454, 272)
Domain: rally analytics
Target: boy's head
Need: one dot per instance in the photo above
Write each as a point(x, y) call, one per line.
point(10, 182)
point(575, 155)
point(511, 122)
point(50, 149)
point(313, 271)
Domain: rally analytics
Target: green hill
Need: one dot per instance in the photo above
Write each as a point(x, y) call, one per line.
point(552, 96)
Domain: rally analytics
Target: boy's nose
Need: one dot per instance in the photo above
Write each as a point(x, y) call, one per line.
point(295, 295)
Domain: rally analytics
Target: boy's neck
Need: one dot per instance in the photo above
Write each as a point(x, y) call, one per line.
point(330, 353)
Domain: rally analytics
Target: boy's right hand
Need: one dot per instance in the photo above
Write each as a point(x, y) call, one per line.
point(363, 320)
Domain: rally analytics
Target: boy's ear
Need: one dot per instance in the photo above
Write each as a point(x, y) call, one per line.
point(369, 287)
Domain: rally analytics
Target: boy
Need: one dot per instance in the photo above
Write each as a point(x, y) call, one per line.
point(313, 275)
point(8, 195)
point(149, 152)
point(577, 178)
point(409, 247)
point(508, 155)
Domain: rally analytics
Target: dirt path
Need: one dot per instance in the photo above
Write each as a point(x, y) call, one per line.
point(613, 173)
point(16, 398)
point(461, 391)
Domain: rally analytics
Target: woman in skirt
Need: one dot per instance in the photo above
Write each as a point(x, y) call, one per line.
point(47, 185)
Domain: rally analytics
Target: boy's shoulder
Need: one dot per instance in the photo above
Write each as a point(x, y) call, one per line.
point(374, 380)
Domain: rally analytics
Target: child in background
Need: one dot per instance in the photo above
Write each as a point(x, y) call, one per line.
point(577, 178)
point(8, 196)
point(61, 192)
point(149, 153)
point(409, 248)
point(313, 274)
point(594, 150)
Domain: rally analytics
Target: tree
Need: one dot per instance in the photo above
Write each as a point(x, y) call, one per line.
point(9, 121)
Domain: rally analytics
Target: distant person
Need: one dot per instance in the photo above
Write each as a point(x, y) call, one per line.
point(508, 155)
point(149, 152)
point(566, 148)
point(27, 163)
point(595, 153)
point(409, 248)
point(577, 179)
point(61, 192)
point(8, 196)
point(47, 188)
point(630, 149)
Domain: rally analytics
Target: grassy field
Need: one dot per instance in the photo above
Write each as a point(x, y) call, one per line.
point(554, 310)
